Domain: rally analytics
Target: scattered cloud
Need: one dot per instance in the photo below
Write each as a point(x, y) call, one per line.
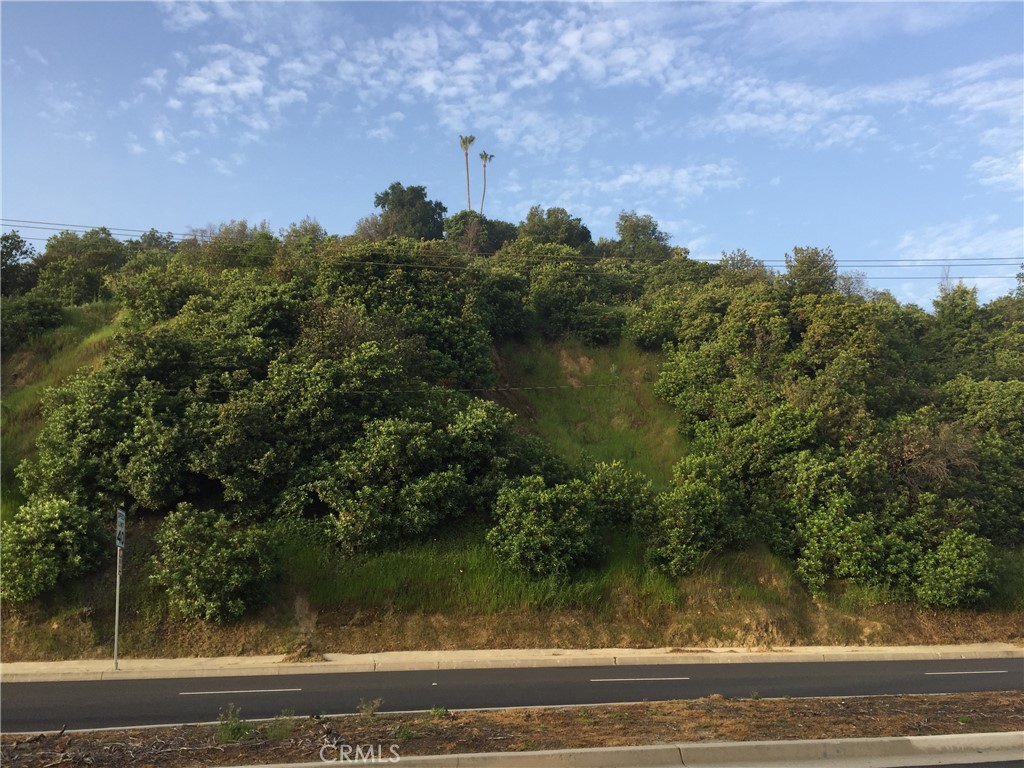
point(1001, 172)
point(181, 16)
point(682, 183)
point(847, 130)
point(60, 102)
point(36, 56)
point(227, 167)
point(181, 157)
point(156, 80)
point(133, 145)
point(230, 79)
point(814, 29)
point(283, 98)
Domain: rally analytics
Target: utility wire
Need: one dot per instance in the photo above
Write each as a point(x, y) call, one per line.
point(976, 261)
point(56, 226)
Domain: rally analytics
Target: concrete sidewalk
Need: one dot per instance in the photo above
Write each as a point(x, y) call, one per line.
point(959, 749)
point(129, 669)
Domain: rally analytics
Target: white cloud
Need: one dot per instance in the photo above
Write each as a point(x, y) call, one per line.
point(156, 79)
point(1002, 172)
point(682, 183)
point(846, 130)
point(133, 145)
point(230, 79)
point(303, 71)
point(161, 135)
point(801, 29)
point(279, 99)
point(181, 16)
point(35, 55)
point(227, 167)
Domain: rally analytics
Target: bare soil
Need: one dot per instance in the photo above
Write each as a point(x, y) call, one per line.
point(48, 633)
point(292, 739)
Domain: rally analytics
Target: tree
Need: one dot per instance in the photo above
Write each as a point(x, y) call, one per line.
point(152, 241)
point(17, 272)
point(957, 334)
point(73, 267)
point(641, 238)
point(476, 235)
point(556, 225)
point(811, 271)
point(466, 142)
point(406, 212)
point(486, 159)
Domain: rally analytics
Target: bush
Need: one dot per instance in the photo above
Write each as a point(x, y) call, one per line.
point(597, 324)
point(47, 539)
point(211, 569)
point(25, 317)
point(618, 495)
point(543, 531)
point(689, 524)
point(958, 572)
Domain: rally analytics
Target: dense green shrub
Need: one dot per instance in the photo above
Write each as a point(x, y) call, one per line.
point(597, 323)
point(959, 572)
point(48, 539)
point(25, 317)
point(543, 531)
point(212, 568)
point(618, 495)
point(688, 525)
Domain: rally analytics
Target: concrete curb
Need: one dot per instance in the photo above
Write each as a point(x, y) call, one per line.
point(139, 669)
point(957, 749)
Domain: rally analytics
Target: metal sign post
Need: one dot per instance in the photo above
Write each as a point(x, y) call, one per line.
point(119, 541)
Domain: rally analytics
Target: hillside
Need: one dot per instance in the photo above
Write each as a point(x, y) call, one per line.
point(589, 403)
point(349, 443)
point(592, 403)
point(80, 341)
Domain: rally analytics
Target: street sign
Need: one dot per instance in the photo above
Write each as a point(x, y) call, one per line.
point(119, 537)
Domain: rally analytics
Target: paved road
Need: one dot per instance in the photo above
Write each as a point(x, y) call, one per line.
point(118, 703)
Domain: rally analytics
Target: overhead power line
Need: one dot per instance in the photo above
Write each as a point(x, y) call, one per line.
point(851, 264)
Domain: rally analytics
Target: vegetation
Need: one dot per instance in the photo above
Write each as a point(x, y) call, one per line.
point(269, 404)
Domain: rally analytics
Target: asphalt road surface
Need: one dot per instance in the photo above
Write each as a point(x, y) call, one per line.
point(27, 707)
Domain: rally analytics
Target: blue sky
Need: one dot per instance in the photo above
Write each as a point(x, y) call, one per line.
point(890, 132)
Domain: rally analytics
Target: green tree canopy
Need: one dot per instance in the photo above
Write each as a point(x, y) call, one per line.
point(406, 212)
point(556, 225)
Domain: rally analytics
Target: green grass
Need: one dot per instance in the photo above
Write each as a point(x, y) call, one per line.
point(459, 574)
point(46, 361)
point(600, 405)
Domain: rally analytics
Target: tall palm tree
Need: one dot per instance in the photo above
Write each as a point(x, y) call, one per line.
point(486, 158)
point(466, 142)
